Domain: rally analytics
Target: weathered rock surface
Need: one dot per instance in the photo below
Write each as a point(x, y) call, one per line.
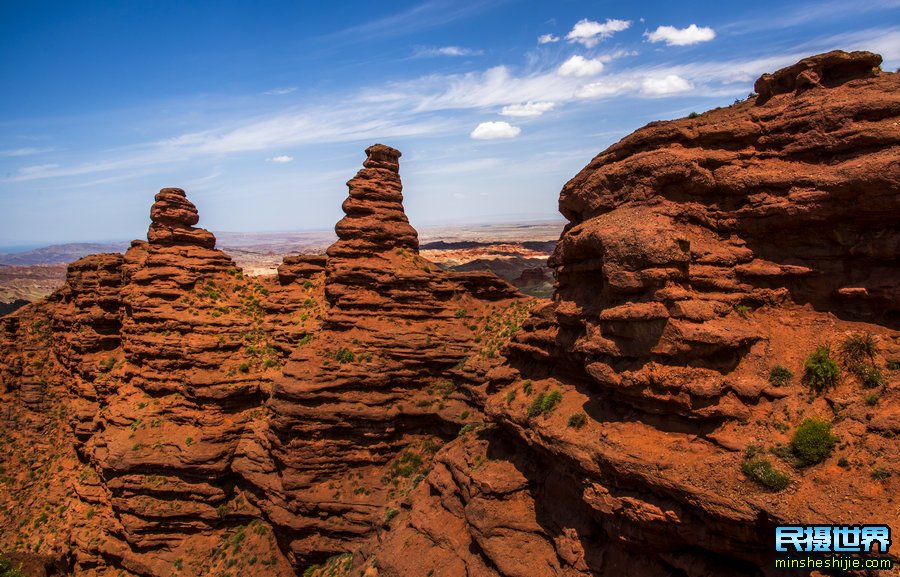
point(361, 407)
point(700, 253)
point(164, 414)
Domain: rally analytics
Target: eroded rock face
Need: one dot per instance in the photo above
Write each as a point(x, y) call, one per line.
point(361, 408)
point(157, 381)
point(165, 414)
point(700, 253)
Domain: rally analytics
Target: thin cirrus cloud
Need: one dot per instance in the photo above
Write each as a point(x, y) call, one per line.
point(280, 91)
point(590, 33)
point(681, 36)
point(529, 109)
point(423, 51)
point(280, 159)
point(495, 130)
point(30, 151)
point(547, 39)
point(579, 66)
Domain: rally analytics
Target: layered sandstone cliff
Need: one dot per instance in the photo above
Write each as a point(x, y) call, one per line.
point(365, 412)
point(700, 254)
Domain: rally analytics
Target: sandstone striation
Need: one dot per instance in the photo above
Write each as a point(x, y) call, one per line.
point(699, 254)
point(362, 405)
point(367, 413)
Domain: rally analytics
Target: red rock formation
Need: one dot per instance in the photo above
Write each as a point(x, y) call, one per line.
point(395, 373)
point(164, 414)
point(700, 254)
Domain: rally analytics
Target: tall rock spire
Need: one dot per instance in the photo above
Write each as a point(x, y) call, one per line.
point(375, 220)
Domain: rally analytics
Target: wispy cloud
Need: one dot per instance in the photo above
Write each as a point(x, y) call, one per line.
point(423, 16)
point(280, 159)
point(590, 33)
point(495, 131)
point(423, 51)
point(681, 36)
point(529, 109)
point(14, 152)
point(547, 38)
point(280, 91)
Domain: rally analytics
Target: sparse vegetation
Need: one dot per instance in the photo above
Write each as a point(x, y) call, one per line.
point(544, 403)
point(870, 376)
point(764, 474)
point(461, 313)
point(8, 569)
point(859, 347)
point(577, 420)
point(780, 376)
point(344, 355)
point(813, 441)
point(742, 310)
point(822, 372)
point(390, 514)
point(880, 473)
point(693, 115)
point(872, 399)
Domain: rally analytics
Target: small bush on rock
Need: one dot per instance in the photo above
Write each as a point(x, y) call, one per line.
point(780, 376)
point(813, 441)
point(764, 474)
point(822, 372)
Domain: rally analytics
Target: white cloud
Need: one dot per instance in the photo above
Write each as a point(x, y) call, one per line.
point(24, 151)
point(527, 109)
point(37, 169)
point(590, 33)
point(681, 36)
point(447, 51)
point(547, 39)
point(280, 159)
point(580, 66)
point(669, 84)
point(605, 88)
point(280, 91)
point(495, 130)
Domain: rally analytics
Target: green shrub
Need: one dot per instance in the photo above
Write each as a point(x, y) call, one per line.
point(693, 115)
point(858, 347)
point(742, 310)
point(527, 387)
point(577, 420)
point(764, 474)
point(813, 441)
point(244, 367)
point(780, 376)
point(843, 463)
point(821, 370)
point(880, 474)
point(870, 376)
point(7, 569)
point(461, 313)
point(544, 403)
point(872, 399)
point(344, 355)
point(390, 514)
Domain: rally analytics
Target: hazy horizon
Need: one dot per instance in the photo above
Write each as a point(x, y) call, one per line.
point(262, 115)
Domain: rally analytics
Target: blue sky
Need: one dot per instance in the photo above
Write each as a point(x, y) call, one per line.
point(261, 110)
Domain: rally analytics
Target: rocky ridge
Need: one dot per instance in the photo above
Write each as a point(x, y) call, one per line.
point(366, 413)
